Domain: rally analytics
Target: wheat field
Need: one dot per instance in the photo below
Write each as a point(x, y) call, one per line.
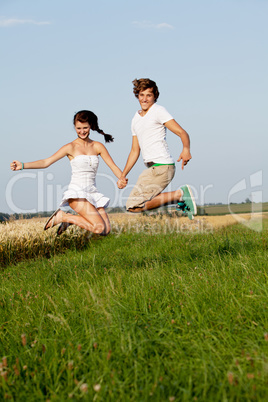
point(25, 238)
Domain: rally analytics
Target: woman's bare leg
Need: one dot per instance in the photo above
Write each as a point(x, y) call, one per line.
point(105, 219)
point(88, 216)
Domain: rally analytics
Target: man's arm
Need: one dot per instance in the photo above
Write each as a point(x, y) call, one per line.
point(132, 159)
point(185, 155)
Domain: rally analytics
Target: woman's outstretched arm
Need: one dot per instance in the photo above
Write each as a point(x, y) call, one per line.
point(42, 163)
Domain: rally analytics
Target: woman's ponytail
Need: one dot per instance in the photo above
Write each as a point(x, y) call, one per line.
point(92, 120)
point(107, 137)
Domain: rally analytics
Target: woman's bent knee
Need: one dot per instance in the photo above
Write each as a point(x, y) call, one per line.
point(106, 230)
point(99, 228)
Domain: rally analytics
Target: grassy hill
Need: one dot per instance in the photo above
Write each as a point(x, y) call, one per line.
point(139, 316)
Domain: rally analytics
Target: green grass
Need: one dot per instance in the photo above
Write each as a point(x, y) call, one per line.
point(234, 208)
point(138, 317)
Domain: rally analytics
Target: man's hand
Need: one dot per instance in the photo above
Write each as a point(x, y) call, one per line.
point(185, 156)
point(122, 182)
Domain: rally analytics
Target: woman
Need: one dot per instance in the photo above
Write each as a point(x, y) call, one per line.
point(82, 195)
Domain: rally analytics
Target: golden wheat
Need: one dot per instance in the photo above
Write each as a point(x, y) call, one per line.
point(22, 239)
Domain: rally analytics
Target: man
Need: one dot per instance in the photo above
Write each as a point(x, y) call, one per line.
point(149, 136)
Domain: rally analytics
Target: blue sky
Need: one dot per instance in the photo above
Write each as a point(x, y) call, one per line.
point(210, 62)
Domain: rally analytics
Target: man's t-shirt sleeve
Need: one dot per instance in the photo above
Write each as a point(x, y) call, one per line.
point(132, 128)
point(163, 115)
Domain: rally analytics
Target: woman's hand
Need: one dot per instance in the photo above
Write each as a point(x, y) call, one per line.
point(16, 165)
point(122, 182)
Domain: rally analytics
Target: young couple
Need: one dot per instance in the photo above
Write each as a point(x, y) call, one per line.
point(148, 136)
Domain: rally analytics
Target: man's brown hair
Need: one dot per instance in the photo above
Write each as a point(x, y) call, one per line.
point(142, 84)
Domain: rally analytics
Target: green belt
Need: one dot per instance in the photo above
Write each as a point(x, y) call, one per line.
point(163, 164)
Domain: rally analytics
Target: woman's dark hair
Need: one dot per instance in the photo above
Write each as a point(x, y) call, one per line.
point(145, 83)
point(85, 116)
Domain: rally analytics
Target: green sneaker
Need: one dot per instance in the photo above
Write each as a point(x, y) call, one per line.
point(188, 199)
point(181, 207)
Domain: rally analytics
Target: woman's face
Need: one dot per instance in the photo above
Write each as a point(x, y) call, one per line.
point(82, 129)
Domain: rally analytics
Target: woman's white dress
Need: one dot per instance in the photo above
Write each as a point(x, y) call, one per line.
point(83, 182)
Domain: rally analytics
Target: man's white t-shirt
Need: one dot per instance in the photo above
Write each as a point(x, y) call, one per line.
point(151, 134)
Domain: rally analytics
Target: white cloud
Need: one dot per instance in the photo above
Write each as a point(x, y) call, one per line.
point(151, 25)
point(9, 22)
point(164, 25)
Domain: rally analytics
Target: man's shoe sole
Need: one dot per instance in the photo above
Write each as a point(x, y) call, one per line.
point(188, 198)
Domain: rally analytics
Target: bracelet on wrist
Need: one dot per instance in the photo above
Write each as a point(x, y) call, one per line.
point(22, 165)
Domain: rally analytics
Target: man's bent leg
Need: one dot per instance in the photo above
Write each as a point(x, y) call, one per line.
point(147, 193)
point(160, 200)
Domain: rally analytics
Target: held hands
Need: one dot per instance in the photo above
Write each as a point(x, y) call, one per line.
point(185, 156)
point(16, 165)
point(122, 182)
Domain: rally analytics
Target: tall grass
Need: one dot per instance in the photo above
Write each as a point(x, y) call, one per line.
point(25, 239)
point(139, 317)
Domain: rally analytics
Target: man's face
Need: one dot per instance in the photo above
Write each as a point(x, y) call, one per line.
point(146, 99)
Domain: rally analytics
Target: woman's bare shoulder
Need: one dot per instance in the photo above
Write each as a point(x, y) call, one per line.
point(98, 147)
point(70, 147)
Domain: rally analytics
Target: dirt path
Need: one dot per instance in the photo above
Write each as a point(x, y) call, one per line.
point(200, 222)
point(226, 220)
point(123, 222)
